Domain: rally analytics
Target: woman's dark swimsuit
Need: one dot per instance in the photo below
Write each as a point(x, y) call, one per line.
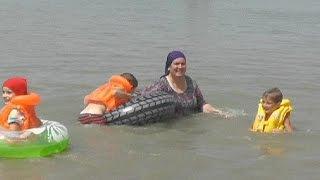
point(187, 102)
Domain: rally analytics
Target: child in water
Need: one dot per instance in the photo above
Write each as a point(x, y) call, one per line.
point(18, 114)
point(107, 98)
point(273, 113)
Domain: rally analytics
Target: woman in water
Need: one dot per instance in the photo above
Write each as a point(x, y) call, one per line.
point(185, 90)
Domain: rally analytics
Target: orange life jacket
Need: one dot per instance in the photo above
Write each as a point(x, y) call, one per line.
point(26, 105)
point(105, 94)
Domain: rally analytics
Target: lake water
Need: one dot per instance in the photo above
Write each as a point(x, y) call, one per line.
point(235, 50)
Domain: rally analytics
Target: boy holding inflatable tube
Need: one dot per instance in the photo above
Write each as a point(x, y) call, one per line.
point(117, 91)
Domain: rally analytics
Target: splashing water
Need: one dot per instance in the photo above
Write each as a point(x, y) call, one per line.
point(234, 113)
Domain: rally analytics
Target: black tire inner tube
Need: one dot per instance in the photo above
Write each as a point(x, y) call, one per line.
point(142, 110)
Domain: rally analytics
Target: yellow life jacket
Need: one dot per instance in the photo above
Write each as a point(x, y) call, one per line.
point(276, 119)
point(26, 105)
point(105, 94)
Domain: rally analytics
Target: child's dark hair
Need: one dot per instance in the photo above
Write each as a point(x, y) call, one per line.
point(274, 94)
point(130, 77)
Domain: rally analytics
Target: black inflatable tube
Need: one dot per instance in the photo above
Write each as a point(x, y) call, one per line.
point(142, 110)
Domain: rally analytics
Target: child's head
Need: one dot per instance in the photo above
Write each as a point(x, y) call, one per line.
point(132, 80)
point(15, 86)
point(271, 99)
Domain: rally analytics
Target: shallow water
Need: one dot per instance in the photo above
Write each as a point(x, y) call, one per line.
point(235, 50)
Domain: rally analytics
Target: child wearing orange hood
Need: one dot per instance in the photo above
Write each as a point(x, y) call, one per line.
point(19, 113)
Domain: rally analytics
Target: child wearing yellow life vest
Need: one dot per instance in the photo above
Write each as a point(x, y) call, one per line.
point(273, 113)
point(107, 98)
point(19, 113)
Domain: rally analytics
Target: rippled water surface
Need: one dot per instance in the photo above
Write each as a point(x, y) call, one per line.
point(235, 50)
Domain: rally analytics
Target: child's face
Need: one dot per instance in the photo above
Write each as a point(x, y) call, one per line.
point(7, 94)
point(269, 105)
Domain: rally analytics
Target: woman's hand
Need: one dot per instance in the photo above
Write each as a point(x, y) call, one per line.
point(207, 108)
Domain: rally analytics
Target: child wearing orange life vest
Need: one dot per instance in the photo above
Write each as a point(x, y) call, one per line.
point(107, 98)
point(18, 114)
point(274, 113)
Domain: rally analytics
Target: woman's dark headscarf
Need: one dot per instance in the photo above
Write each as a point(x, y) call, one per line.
point(170, 58)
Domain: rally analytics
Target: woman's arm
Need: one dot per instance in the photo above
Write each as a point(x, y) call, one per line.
point(206, 107)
